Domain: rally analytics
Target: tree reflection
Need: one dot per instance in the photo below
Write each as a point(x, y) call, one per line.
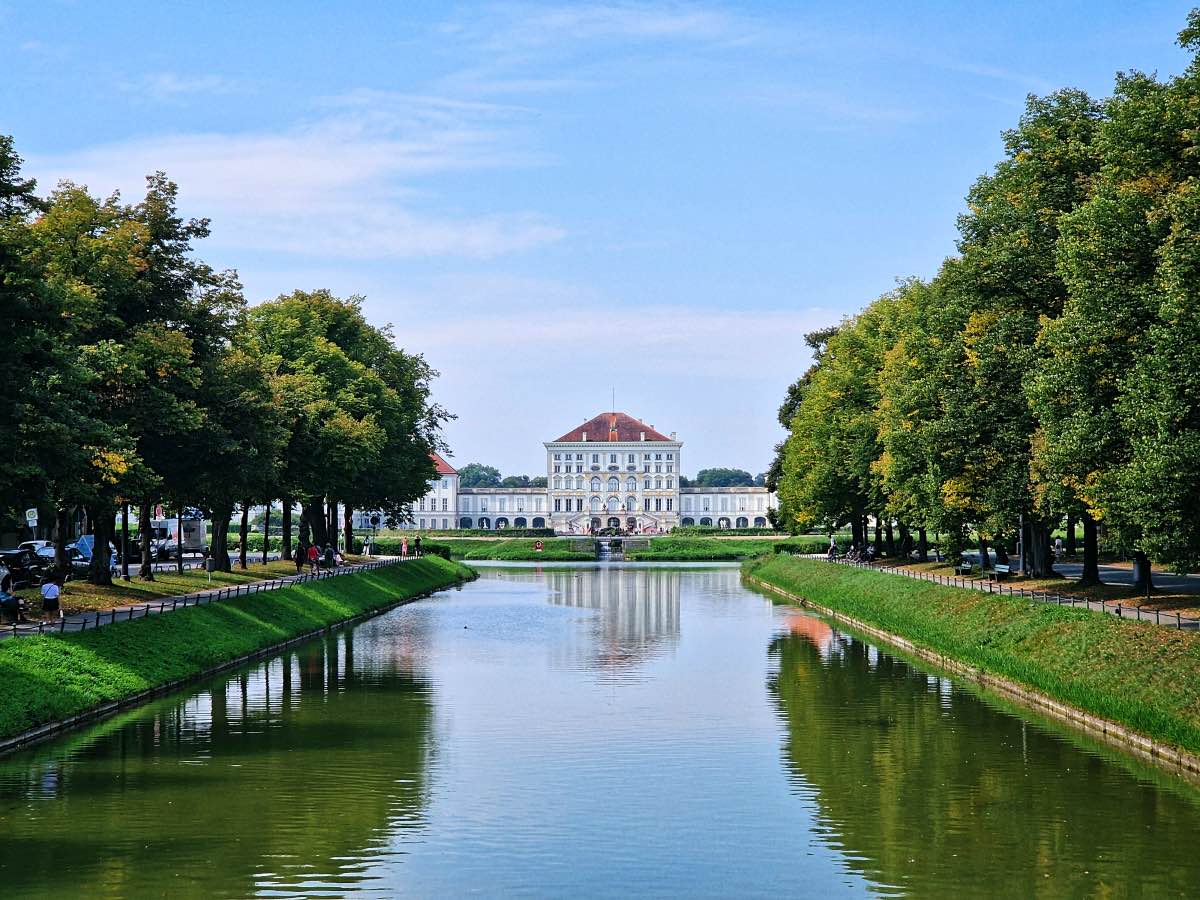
point(293, 773)
point(928, 789)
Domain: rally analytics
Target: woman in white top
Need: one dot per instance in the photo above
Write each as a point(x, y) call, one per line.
point(50, 594)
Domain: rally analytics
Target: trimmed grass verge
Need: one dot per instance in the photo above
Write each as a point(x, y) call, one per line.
point(1137, 674)
point(48, 678)
point(554, 549)
point(705, 548)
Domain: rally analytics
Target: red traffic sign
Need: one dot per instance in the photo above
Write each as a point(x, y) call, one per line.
point(538, 545)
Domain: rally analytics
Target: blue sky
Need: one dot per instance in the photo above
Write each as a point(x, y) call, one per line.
point(550, 201)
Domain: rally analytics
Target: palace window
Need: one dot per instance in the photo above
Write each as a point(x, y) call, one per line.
point(670, 468)
point(579, 483)
point(482, 505)
point(500, 504)
point(670, 501)
point(614, 484)
point(445, 504)
point(422, 504)
point(595, 504)
point(658, 467)
point(595, 484)
point(612, 458)
point(658, 456)
point(558, 484)
point(724, 504)
point(647, 502)
point(658, 484)
point(670, 456)
point(658, 503)
point(557, 467)
point(578, 468)
point(707, 504)
point(596, 458)
point(445, 483)
point(422, 525)
point(579, 456)
point(631, 483)
point(558, 456)
point(645, 456)
point(630, 504)
point(632, 457)
point(557, 504)
point(670, 483)
point(647, 484)
point(687, 504)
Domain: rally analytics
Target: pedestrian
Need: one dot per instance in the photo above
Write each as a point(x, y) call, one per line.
point(313, 557)
point(417, 546)
point(330, 559)
point(1058, 548)
point(403, 547)
point(301, 555)
point(832, 547)
point(51, 592)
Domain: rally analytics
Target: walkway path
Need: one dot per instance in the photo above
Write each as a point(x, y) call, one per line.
point(88, 620)
point(1157, 616)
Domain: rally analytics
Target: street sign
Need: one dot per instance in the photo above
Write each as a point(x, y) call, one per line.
point(31, 517)
point(538, 545)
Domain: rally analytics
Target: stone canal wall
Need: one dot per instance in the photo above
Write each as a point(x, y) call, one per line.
point(1129, 684)
point(52, 683)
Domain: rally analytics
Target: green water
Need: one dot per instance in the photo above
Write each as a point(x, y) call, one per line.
point(589, 731)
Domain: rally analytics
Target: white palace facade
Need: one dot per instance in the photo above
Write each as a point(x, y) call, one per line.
point(613, 471)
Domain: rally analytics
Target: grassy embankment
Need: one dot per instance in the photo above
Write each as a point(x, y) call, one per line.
point(1140, 675)
point(516, 549)
point(48, 678)
point(717, 549)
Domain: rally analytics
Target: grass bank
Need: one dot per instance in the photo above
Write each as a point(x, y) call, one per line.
point(672, 548)
point(49, 678)
point(1137, 674)
point(559, 549)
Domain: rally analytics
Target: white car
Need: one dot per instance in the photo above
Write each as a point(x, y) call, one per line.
point(36, 546)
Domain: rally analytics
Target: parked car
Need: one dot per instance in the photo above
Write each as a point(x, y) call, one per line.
point(35, 546)
point(25, 567)
point(5, 579)
point(81, 553)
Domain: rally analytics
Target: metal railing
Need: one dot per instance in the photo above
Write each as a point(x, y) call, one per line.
point(1157, 616)
point(182, 601)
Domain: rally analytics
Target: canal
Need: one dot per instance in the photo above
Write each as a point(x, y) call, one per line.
point(623, 730)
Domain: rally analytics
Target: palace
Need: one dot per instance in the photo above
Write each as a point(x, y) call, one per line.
point(613, 471)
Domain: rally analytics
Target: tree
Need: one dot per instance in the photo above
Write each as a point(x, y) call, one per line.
point(514, 481)
point(478, 475)
point(724, 478)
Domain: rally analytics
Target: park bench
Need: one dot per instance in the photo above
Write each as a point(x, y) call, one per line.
point(963, 568)
point(1000, 572)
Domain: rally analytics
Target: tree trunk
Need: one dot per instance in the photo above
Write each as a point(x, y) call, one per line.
point(906, 541)
point(1091, 554)
point(985, 561)
point(285, 517)
point(244, 533)
point(857, 535)
point(266, 533)
point(305, 538)
point(348, 528)
point(62, 527)
point(100, 571)
point(1041, 557)
point(145, 570)
point(889, 538)
point(922, 545)
point(1070, 536)
point(878, 536)
point(333, 521)
point(220, 537)
point(314, 516)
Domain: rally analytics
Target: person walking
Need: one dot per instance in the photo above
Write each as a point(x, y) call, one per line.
point(417, 546)
point(301, 555)
point(404, 547)
point(314, 557)
point(330, 558)
point(51, 593)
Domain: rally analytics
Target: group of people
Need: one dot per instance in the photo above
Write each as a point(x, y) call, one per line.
point(866, 553)
point(13, 606)
point(416, 546)
point(316, 558)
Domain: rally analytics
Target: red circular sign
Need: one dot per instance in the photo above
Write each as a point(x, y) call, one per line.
point(537, 545)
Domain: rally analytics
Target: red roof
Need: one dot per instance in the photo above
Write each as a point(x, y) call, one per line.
point(614, 427)
point(443, 467)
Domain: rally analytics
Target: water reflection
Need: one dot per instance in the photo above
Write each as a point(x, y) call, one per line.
point(636, 611)
point(287, 777)
point(927, 789)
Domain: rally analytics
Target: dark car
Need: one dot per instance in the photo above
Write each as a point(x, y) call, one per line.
point(25, 567)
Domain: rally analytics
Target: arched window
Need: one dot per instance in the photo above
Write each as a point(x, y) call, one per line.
point(595, 504)
point(705, 521)
point(595, 484)
point(631, 483)
point(614, 504)
point(614, 484)
point(743, 522)
point(464, 522)
point(557, 483)
point(579, 482)
point(631, 504)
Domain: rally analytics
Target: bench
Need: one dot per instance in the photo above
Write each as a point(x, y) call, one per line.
point(963, 568)
point(1000, 572)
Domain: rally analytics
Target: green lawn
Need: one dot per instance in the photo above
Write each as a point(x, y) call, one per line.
point(715, 548)
point(1141, 675)
point(47, 678)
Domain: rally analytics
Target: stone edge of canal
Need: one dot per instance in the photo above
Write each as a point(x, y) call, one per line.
point(1171, 759)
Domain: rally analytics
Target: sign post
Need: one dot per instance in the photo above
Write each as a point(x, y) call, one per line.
point(31, 517)
point(537, 546)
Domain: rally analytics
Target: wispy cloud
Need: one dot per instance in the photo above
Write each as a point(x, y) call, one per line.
point(355, 182)
point(168, 85)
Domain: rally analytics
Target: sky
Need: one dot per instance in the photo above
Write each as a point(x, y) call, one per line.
point(559, 202)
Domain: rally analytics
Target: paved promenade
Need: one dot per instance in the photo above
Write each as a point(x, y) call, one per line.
point(98, 619)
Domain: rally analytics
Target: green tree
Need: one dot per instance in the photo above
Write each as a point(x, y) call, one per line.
point(724, 478)
point(478, 475)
